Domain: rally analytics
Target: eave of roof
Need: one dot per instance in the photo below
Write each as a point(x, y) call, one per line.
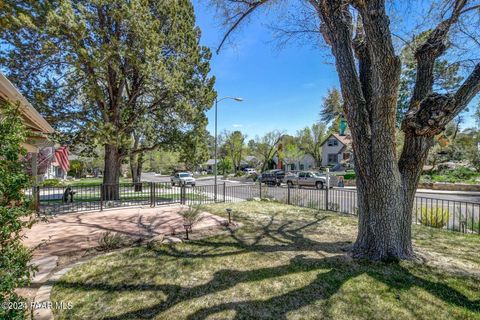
point(338, 139)
point(34, 119)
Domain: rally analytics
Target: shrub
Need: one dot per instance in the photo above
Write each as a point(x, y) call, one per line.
point(435, 217)
point(459, 174)
point(191, 215)
point(463, 173)
point(15, 215)
point(349, 176)
point(111, 240)
point(51, 183)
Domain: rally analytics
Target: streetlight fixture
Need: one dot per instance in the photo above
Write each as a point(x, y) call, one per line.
point(238, 99)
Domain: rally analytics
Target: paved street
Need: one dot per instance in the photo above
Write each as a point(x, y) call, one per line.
point(463, 207)
point(204, 181)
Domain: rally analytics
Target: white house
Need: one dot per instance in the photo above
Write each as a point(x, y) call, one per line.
point(306, 162)
point(337, 149)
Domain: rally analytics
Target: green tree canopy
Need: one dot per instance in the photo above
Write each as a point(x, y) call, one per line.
point(332, 108)
point(265, 147)
point(99, 70)
point(310, 140)
point(234, 146)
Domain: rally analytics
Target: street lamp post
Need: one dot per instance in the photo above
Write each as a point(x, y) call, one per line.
point(216, 136)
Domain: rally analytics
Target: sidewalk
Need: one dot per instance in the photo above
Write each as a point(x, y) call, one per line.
point(432, 191)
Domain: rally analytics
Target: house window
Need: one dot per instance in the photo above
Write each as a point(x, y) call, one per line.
point(332, 158)
point(302, 167)
point(346, 156)
point(292, 166)
point(332, 142)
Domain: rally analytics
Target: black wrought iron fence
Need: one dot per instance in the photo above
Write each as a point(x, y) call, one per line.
point(438, 213)
point(66, 199)
point(452, 215)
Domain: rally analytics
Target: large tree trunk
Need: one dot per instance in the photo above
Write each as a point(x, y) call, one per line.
point(384, 226)
point(111, 175)
point(136, 164)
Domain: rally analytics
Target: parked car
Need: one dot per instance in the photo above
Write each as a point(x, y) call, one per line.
point(183, 179)
point(249, 171)
point(272, 177)
point(309, 179)
point(333, 179)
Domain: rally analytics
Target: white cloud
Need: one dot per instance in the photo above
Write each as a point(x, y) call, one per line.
point(236, 125)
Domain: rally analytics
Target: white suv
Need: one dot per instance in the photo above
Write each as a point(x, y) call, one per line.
point(183, 179)
point(250, 171)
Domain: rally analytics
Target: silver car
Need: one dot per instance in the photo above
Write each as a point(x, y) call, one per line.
point(183, 179)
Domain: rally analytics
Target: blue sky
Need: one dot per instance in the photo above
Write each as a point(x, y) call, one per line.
point(283, 89)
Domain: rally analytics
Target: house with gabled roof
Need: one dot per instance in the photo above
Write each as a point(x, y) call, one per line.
point(337, 150)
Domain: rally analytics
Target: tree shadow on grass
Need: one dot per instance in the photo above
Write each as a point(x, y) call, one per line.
point(286, 237)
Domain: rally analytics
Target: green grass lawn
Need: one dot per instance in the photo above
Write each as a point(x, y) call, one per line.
point(284, 262)
point(88, 182)
point(133, 196)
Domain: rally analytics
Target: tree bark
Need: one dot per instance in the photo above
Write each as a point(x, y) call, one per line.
point(136, 164)
point(384, 226)
point(111, 174)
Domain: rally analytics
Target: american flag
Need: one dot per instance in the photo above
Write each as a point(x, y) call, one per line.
point(61, 156)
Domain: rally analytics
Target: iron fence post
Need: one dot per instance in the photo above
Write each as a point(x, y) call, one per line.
point(182, 194)
point(224, 191)
point(154, 186)
point(101, 197)
point(326, 198)
point(260, 184)
point(36, 198)
point(288, 194)
point(151, 194)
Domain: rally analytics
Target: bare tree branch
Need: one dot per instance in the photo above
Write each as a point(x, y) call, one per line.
point(437, 110)
point(426, 54)
point(251, 7)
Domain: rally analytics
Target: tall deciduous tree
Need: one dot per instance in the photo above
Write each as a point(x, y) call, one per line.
point(310, 140)
point(100, 69)
point(369, 72)
point(265, 147)
point(291, 154)
point(234, 146)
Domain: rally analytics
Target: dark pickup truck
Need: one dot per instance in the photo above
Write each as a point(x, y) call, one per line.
point(272, 177)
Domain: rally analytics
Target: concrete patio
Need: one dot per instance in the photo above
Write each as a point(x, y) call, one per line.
point(76, 235)
point(74, 232)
